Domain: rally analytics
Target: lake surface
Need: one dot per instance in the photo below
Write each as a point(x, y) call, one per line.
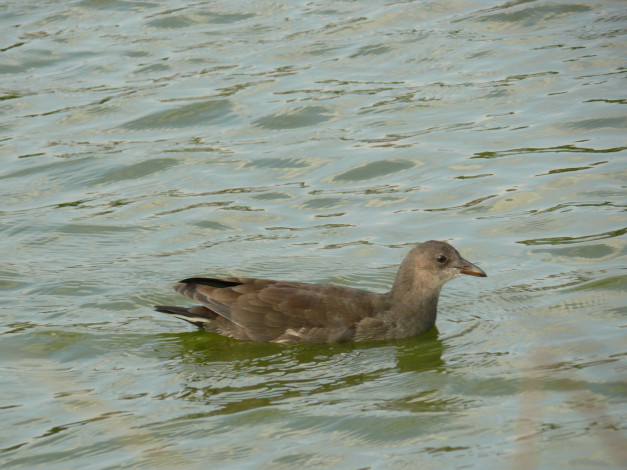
point(145, 142)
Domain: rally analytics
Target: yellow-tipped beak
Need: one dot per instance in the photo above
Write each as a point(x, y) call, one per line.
point(465, 267)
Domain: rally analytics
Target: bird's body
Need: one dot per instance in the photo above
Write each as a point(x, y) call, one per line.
point(294, 312)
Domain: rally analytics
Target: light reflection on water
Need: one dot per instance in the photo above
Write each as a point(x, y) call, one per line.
point(142, 143)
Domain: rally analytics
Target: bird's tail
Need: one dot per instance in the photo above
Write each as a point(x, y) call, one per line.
point(198, 316)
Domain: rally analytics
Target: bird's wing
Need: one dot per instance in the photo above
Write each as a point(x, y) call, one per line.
point(267, 309)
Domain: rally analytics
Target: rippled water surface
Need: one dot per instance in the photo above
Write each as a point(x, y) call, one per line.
point(145, 142)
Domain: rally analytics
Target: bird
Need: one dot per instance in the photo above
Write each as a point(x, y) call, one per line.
point(287, 312)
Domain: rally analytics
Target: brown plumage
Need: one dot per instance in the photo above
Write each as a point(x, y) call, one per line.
point(295, 312)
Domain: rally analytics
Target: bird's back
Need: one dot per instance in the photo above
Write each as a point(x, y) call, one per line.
point(279, 311)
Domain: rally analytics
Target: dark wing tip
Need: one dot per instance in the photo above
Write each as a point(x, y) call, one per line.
point(171, 310)
point(198, 316)
point(208, 281)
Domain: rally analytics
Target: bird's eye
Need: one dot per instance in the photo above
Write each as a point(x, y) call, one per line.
point(441, 258)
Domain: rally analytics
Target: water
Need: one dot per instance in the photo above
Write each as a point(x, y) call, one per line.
point(145, 142)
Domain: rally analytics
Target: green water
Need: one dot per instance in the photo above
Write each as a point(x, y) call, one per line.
point(145, 142)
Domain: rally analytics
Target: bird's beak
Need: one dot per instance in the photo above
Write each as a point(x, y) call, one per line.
point(466, 267)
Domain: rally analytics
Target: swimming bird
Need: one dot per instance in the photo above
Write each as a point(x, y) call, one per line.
point(296, 312)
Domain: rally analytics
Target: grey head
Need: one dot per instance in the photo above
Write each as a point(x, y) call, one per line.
point(430, 265)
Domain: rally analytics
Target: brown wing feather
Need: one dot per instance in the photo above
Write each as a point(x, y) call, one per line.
point(267, 310)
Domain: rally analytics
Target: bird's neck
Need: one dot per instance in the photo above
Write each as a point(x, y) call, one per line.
point(413, 301)
point(412, 311)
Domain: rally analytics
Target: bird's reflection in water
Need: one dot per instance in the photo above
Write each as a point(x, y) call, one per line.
point(231, 375)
